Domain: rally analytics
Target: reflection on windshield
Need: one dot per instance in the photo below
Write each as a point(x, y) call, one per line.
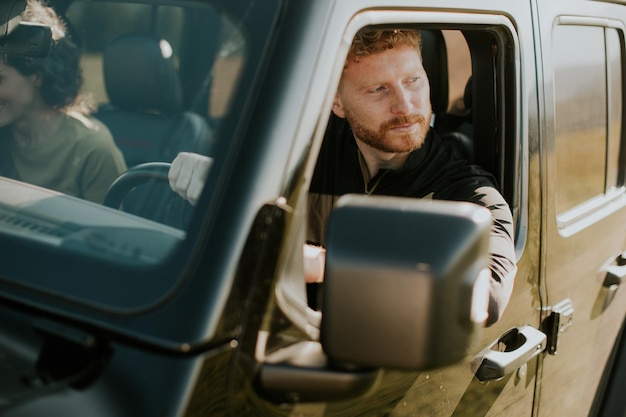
point(123, 85)
point(125, 88)
point(47, 134)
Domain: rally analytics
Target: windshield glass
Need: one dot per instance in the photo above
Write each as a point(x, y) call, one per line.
point(88, 132)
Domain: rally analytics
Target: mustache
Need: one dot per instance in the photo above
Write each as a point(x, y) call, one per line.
point(402, 121)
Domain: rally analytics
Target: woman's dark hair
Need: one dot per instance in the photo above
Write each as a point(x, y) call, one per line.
point(61, 77)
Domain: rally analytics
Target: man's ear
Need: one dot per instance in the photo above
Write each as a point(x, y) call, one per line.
point(338, 107)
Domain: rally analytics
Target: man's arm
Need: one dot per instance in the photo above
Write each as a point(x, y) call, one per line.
point(502, 260)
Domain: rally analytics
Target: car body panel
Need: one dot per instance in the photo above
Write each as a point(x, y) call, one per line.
point(575, 264)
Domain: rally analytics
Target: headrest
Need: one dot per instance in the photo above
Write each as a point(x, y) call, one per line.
point(435, 61)
point(139, 75)
point(468, 94)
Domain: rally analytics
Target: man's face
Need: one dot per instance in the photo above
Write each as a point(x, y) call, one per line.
point(386, 99)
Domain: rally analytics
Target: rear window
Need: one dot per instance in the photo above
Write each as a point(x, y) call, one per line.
point(588, 118)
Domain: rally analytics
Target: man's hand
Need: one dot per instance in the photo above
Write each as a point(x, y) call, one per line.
point(188, 175)
point(314, 260)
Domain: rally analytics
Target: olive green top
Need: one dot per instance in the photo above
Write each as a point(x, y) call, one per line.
point(81, 160)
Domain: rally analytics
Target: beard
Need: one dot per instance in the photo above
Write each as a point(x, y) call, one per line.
point(387, 142)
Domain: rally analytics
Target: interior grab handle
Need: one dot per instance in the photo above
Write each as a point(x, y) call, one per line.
point(510, 352)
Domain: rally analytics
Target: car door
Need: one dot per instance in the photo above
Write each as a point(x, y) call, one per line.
point(585, 224)
point(500, 37)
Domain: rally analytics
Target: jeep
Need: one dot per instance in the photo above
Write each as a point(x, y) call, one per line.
point(122, 309)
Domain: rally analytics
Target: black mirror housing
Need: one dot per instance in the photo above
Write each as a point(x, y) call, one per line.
point(399, 281)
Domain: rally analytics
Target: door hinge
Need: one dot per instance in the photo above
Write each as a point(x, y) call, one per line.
point(560, 319)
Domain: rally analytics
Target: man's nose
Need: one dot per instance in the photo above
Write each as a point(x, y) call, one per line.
point(402, 101)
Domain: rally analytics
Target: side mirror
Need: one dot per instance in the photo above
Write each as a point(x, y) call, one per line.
point(406, 284)
point(406, 287)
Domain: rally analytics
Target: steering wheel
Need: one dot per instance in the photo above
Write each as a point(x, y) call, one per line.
point(133, 177)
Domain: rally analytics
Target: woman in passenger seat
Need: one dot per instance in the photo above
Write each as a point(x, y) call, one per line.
point(47, 137)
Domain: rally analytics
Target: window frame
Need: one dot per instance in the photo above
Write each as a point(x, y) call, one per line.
point(595, 208)
point(510, 164)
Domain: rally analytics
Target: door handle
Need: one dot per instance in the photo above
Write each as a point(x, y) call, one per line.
point(614, 275)
point(510, 352)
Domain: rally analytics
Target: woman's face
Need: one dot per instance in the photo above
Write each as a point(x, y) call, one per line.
point(18, 95)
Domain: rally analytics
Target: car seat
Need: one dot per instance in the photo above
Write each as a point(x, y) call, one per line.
point(145, 114)
point(453, 129)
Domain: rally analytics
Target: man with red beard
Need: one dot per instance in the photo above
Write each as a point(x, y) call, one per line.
point(379, 141)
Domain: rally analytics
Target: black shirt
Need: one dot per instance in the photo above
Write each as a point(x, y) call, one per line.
point(430, 172)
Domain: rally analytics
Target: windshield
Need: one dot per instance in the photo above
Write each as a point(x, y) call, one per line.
point(89, 130)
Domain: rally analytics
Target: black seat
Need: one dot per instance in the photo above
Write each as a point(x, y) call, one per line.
point(145, 112)
point(451, 128)
point(435, 61)
point(146, 117)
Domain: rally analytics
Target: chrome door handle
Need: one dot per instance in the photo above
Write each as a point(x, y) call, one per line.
point(510, 352)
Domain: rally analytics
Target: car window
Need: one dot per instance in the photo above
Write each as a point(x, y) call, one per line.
point(459, 70)
point(467, 123)
point(588, 118)
point(162, 78)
